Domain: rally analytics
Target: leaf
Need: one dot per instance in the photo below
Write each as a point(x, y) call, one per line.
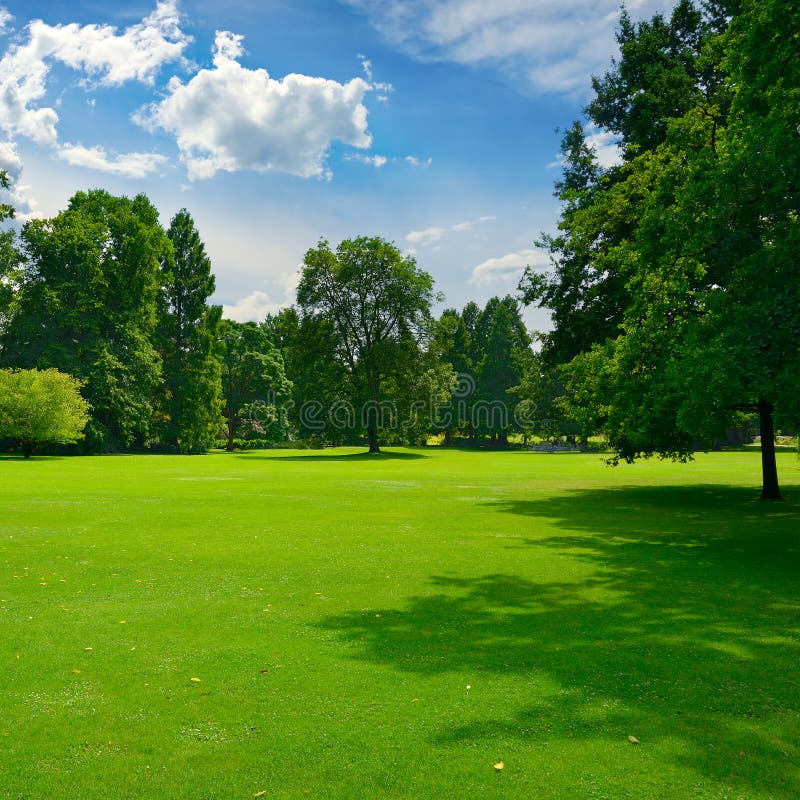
point(499, 766)
point(633, 740)
point(195, 680)
point(88, 649)
point(261, 793)
point(76, 672)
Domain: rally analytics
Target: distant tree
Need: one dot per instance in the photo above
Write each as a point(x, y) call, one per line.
point(86, 304)
point(378, 303)
point(505, 343)
point(308, 347)
point(191, 396)
point(254, 383)
point(451, 344)
point(41, 407)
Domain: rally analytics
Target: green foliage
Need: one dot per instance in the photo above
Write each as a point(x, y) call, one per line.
point(40, 407)
point(377, 302)
point(191, 399)
point(87, 304)
point(254, 383)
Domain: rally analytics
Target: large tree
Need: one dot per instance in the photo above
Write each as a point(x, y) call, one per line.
point(191, 394)
point(378, 302)
point(86, 304)
point(712, 324)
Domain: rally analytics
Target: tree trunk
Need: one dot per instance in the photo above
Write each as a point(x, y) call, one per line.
point(769, 468)
point(27, 449)
point(231, 429)
point(372, 436)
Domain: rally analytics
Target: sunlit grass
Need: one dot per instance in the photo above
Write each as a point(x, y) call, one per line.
point(395, 626)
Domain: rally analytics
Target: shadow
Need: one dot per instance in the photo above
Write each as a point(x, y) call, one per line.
point(19, 457)
point(385, 455)
point(675, 615)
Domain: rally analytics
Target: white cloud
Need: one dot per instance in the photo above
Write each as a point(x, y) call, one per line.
point(373, 161)
point(418, 162)
point(605, 146)
point(96, 51)
point(435, 233)
point(553, 45)
point(18, 195)
point(5, 17)
point(231, 118)
point(504, 268)
point(127, 165)
point(252, 308)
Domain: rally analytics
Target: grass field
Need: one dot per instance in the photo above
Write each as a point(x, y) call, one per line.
point(394, 626)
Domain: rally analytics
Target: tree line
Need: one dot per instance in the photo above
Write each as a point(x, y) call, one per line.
point(104, 294)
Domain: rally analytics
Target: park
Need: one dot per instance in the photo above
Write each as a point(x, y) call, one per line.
point(443, 449)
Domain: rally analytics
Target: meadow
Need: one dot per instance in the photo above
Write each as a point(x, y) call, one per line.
point(326, 624)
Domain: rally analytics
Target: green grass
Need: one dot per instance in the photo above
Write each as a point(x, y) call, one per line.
point(336, 607)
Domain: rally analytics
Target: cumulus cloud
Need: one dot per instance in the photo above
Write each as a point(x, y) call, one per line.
point(435, 233)
point(99, 52)
point(252, 308)
point(257, 305)
point(232, 118)
point(553, 45)
point(18, 194)
point(504, 268)
point(127, 165)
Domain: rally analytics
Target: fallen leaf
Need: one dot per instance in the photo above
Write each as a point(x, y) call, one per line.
point(88, 649)
point(122, 622)
point(633, 740)
point(260, 794)
point(499, 766)
point(262, 671)
point(195, 680)
point(76, 672)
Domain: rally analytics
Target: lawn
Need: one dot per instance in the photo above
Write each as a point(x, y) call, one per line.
point(330, 625)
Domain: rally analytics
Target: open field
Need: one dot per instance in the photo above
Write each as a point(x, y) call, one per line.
point(393, 626)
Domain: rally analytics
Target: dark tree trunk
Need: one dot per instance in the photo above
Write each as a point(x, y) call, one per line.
point(447, 437)
point(27, 449)
point(372, 436)
point(231, 429)
point(769, 468)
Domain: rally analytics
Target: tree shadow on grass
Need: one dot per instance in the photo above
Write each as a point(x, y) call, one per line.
point(386, 455)
point(678, 619)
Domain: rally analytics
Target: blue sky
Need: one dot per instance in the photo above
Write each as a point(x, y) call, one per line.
point(429, 122)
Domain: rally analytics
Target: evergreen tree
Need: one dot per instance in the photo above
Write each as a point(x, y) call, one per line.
point(191, 398)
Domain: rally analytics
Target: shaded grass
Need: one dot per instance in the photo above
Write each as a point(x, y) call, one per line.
point(336, 608)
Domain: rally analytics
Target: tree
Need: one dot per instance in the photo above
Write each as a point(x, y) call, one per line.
point(86, 304)
point(9, 259)
point(505, 344)
point(378, 303)
point(41, 407)
point(713, 320)
point(254, 384)
point(308, 347)
point(191, 396)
